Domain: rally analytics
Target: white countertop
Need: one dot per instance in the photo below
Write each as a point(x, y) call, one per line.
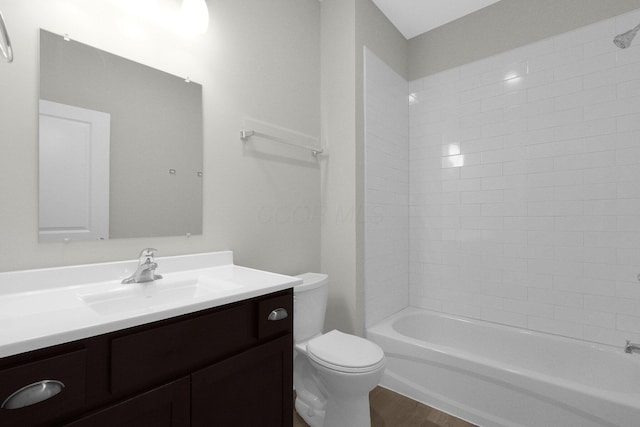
point(45, 307)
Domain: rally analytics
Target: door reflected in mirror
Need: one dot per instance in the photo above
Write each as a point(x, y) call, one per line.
point(120, 147)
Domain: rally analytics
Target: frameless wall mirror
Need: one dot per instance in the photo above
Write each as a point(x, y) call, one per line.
point(120, 147)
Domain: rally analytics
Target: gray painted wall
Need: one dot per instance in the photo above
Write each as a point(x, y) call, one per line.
point(348, 26)
point(259, 59)
point(338, 167)
point(502, 26)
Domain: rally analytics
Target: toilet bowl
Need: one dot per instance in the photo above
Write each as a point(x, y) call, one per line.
point(333, 372)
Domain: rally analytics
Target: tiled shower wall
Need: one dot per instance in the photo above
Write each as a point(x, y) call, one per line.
point(525, 187)
point(387, 191)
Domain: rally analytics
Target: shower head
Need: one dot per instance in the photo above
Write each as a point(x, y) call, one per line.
point(624, 40)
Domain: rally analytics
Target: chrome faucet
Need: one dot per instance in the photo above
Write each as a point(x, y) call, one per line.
point(630, 347)
point(146, 271)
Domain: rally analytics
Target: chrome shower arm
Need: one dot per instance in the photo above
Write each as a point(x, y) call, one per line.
point(6, 51)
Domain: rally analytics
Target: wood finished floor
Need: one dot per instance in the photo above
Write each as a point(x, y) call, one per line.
point(389, 409)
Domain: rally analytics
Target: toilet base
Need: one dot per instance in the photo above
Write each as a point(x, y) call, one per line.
point(352, 411)
point(313, 417)
point(348, 410)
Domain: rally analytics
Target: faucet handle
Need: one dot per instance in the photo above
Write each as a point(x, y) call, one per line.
point(147, 255)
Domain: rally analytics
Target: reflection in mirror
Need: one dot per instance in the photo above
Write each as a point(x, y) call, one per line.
point(120, 147)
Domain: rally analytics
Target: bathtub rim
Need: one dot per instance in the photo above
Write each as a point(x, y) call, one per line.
point(385, 329)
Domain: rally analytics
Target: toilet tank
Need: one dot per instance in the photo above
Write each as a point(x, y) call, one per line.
point(309, 306)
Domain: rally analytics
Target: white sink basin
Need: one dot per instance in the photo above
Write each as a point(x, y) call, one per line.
point(51, 306)
point(167, 291)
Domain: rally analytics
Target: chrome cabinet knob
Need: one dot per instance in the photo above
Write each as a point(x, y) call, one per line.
point(278, 314)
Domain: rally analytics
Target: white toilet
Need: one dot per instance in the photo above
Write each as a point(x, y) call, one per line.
point(334, 372)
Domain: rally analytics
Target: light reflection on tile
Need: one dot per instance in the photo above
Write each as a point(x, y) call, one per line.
point(452, 149)
point(453, 161)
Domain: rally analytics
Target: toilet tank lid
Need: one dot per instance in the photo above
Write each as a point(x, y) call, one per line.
point(310, 281)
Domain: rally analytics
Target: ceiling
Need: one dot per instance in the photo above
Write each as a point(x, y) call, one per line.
point(414, 17)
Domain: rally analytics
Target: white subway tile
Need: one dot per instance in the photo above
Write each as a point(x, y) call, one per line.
point(553, 297)
point(461, 309)
point(504, 317)
point(599, 47)
point(555, 149)
point(586, 129)
point(510, 127)
point(483, 144)
point(610, 304)
point(487, 196)
point(569, 314)
point(554, 179)
point(627, 207)
point(600, 319)
point(628, 88)
point(628, 123)
point(508, 291)
point(504, 101)
point(586, 97)
point(479, 93)
point(529, 308)
point(536, 79)
point(556, 58)
point(628, 56)
point(626, 72)
point(584, 285)
point(503, 209)
point(502, 182)
point(587, 317)
point(589, 161)
point(481, 171)
point(557, 327)
point(555, 89)
point(531, 109)
point(587, 66)
point(628, 290)
point(539, 227)
point(628, 323)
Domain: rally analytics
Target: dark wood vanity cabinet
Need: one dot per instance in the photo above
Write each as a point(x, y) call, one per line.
point(227, 366)
point(164, 406)
point(245, 390)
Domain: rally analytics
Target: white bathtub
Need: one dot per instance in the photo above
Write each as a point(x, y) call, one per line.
point(494, 375)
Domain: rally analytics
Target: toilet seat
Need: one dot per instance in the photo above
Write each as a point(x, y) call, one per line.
point(345, 353)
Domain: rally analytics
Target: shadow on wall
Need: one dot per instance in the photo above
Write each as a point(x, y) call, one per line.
point(338, 314)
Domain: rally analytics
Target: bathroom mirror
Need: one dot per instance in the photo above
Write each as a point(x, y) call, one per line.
point(120, 147)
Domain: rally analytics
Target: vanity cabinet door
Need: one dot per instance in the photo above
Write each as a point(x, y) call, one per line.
point(252, 389)
point(44, 390)
point(165, 406)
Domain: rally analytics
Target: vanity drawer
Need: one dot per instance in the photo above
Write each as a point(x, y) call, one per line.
point(68, 369)
point(275, 316)
point(164, 352)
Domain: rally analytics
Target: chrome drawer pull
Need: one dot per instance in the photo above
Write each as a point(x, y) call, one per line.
point(32, 394)
point(278, 314)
